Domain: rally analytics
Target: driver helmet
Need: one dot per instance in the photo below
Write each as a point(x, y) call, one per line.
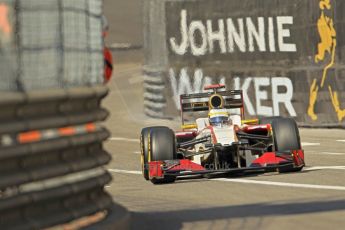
point(218, 117)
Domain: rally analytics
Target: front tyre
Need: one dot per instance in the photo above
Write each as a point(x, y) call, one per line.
point(157, 144)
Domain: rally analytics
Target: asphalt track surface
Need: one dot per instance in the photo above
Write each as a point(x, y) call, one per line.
point(311, 199)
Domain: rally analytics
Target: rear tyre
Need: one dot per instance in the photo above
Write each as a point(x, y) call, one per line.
point(269, 120)
point(286, 138)
point(157, 144)
point(285, 135)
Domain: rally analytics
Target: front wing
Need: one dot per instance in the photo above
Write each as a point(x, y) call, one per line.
point(269, 162)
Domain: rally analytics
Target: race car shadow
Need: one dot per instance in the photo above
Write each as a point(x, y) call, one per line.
point(234, 176)
point(175, 219)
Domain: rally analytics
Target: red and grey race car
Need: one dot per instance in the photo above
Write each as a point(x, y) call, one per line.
point(220, 143)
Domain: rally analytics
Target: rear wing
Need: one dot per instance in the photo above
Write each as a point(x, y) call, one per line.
point(233, 99)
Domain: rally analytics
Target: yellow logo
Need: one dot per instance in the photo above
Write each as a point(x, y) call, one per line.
point(326, 55)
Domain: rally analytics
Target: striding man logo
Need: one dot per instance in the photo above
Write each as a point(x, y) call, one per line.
point(327, 33)
point(325, 56)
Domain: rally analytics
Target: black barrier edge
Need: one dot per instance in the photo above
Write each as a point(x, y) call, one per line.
point(50, 171)
point(53, 121)
point(48, 109)
point(64, 190)
point(53, 145)
point(8, 98)
point(64, 214)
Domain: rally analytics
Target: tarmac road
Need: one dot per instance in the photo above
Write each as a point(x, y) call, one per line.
point(312, 199)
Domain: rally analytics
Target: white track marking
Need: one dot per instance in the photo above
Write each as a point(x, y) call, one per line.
point(309, 144)
point(324, 167)
point(117, 90)
point(283, 184)
point(326, 153)
point(331, 153)
point(341, 140)
point(247, 181)
point(125, 171)
point(137, 152)
point(124, 139)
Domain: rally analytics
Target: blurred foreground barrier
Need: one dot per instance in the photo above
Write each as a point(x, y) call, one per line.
point(52, 159)
point(286, 56)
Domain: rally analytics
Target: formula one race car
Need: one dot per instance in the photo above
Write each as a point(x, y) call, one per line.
point(221, 143)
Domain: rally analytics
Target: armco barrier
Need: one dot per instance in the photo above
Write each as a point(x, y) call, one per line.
point(286, 56)
point(52, 160)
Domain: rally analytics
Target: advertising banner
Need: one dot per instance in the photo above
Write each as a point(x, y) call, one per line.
point(286, 56)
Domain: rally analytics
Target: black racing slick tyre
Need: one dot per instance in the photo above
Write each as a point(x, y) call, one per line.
point(285, 135)
point(144, 147)
point(286, 138)
point(157, 143)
